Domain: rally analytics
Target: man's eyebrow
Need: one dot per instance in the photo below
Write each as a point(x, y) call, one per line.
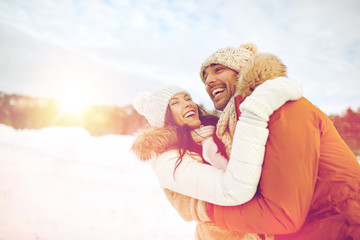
point(211, 65)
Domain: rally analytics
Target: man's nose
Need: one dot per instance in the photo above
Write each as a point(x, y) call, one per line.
point(210, 79)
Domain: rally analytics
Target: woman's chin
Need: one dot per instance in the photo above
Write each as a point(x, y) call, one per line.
point(194, 124)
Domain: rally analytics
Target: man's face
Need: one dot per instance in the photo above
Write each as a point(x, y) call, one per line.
point(220, 83)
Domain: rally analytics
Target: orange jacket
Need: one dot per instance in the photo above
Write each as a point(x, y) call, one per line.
point(309, 175)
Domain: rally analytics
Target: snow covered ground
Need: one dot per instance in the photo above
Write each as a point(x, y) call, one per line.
point(61, 183)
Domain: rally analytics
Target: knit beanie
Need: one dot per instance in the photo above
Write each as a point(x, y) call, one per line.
point(231, 57)
point(153, 106)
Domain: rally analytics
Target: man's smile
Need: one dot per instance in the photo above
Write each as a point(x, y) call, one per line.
point(217, 91)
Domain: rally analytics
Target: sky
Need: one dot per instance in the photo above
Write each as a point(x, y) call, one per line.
point(61, 183)
point(107, 52)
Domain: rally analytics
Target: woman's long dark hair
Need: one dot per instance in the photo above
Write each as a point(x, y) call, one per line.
point(185, 141)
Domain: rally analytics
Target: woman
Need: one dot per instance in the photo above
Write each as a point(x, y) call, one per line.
point(177, 158)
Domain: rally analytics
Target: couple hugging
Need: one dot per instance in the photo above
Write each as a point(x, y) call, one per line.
point(272, 166)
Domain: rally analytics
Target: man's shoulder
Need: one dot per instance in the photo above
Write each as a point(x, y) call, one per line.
point(296, 113)
point(296, 107)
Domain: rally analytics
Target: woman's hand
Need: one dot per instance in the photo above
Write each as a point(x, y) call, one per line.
point(271, 95)
point(202, 133)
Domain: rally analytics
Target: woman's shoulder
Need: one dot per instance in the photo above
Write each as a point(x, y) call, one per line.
point(151, 141)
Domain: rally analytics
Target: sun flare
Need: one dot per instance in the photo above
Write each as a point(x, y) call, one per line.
point(72, 107)
point(73, 103)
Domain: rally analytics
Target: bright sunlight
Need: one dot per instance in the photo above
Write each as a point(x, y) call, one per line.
point(73, 102)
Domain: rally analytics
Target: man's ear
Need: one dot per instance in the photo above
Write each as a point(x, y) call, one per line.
point(260, 68)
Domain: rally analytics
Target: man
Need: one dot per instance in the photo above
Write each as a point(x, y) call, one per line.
point(310, 182)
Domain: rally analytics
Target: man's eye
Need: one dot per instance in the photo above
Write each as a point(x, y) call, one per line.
point(219, 69)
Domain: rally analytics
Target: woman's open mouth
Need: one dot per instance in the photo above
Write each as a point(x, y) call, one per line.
point(189, 114)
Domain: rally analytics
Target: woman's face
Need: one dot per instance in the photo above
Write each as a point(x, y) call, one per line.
point(184, 111)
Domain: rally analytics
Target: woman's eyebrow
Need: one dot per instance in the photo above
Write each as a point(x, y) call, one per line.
point(174, 98)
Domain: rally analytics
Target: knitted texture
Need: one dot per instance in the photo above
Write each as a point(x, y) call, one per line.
point(202, 133)
point(226, 125)
point(153, 106)
point(190, 209)
point(231, 57)
point(210, 231)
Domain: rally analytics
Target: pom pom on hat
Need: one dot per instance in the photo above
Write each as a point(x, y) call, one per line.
point(250, 47)
point(153, 106)
point(231, 57)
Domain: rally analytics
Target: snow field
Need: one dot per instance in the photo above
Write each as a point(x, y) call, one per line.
point(61, 183)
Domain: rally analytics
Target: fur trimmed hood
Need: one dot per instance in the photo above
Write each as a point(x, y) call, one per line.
point(259, 68)
point(152, 141)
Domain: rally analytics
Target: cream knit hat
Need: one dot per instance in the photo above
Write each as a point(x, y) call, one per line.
point(231, 57)
point(153, 106)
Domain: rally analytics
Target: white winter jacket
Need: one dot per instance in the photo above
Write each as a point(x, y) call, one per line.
point(205, 182)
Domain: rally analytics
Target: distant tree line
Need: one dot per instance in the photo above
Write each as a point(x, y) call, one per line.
point(22, 112)
point(348, 126)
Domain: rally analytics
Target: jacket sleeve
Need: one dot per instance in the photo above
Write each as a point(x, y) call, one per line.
point(205, 182)
point(288, 178)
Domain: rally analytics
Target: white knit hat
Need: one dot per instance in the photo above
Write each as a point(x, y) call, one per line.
point(153, 106)
point(231, 57)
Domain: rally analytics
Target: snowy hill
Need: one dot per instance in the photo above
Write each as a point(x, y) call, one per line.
point(61, 183)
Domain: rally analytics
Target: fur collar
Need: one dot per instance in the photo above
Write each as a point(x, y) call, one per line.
point(152, 141)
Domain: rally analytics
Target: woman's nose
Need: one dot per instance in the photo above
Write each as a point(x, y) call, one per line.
point(186, 104)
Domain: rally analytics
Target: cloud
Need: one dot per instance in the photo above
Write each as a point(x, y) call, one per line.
point(164, 42)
